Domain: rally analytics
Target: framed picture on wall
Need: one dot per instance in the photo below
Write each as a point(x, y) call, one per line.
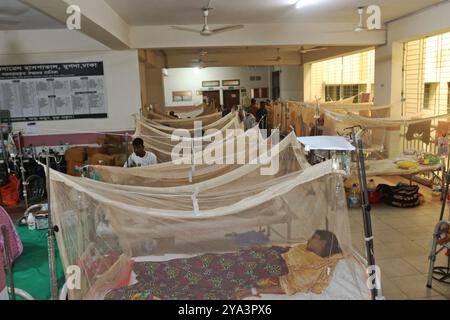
point(231, 83)
point(209, 84)
point(180, 96)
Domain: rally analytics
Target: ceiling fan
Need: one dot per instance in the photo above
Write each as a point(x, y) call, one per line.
point(360, 27)
point(200, 62)
point(206, 30)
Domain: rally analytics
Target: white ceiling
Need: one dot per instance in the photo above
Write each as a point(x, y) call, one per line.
point(14, 15)
point(184, 12)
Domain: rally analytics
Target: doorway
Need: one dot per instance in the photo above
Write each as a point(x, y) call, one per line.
point(212, 96)
point(231, 98)
point(275, 85)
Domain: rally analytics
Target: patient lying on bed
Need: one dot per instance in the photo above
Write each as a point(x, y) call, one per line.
point(279, 270)
point(310, 268)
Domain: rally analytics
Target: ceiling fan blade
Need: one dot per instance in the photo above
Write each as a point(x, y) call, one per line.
point(226, 29)
point(185, 29)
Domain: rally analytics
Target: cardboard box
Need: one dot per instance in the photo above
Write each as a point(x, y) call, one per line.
point(76, 154)
point(113, 139)
point(90, 151)
point(101, 159)
point(119, 160)
point(73, 168)
point(113, 150)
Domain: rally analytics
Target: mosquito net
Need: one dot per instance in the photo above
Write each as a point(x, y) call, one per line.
point(164, 143)
point(215, 239)
point(215, 125)
point(215, 161)
point(394, 145)
point(189, 123)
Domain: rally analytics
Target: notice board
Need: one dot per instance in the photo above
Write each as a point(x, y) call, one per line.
point(57, 91)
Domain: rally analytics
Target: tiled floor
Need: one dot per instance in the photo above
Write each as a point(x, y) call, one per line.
point(402, 243)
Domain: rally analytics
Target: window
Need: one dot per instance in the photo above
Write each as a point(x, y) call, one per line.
point(332, 92)
point(343, 77)
point(259, 93)
point(448, 97)
point(426, 75)
point(429, 96)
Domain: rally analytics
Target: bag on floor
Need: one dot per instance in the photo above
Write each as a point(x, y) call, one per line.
point(401, 196)
point(15, 244)
point(9, 197)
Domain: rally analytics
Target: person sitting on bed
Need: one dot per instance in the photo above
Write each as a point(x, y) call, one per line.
point(140, 157)
point(310, 268)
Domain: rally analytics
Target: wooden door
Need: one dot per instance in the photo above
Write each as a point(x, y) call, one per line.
point(211, 96)
point(275, 85)
point(231, 98)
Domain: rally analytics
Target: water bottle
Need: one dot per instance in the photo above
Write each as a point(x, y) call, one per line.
point(31, 221)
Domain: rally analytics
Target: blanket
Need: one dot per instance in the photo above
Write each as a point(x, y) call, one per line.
point(205, 277)
point(224, 276)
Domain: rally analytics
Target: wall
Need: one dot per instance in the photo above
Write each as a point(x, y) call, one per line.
point(290, 83)
point(183, 79)
point(122, 88)
point(121, 75)
point(389, 57)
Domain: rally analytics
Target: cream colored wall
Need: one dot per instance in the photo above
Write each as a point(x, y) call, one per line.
point(182, 79)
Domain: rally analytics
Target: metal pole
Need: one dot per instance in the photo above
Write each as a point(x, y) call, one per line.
point(8, 261)
point(444, 200)
point(50, 238)
point(2, 144)
point(365, 206)
point(22, 170)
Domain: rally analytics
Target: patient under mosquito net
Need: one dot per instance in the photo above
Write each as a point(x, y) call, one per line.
point(215, 160)
point(108, 229)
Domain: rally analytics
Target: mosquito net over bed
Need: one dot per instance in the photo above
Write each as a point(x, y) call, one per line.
point(214, 161)
point(215, 239)
point(163, 142)
point(215, 125)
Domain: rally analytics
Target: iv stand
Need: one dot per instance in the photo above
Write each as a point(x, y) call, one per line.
point(365, 206)
point(51, 236)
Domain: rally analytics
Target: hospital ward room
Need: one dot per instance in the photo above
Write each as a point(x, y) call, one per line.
point(212, 150)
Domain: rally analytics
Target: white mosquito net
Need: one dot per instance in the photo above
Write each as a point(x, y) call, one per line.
point(214, 239)
point(215, 161)
point(162, 143)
